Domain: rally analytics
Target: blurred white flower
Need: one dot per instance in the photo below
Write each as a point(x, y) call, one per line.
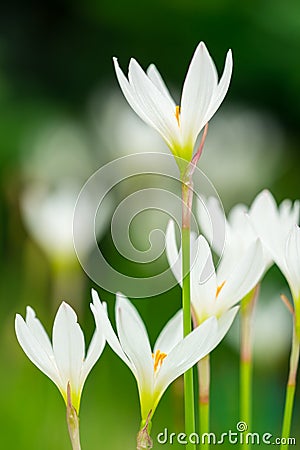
point(48, 217)
point(202, 95)
point(64, 360)
point(58, 150)
point(239, 141)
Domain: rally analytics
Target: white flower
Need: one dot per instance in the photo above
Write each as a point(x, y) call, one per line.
point(172, 354)
point(201, 96)
point(214, 293)
point(292, 263)
point(239, 234)
point(63, 360)
point(278, 230)
point(274, 224)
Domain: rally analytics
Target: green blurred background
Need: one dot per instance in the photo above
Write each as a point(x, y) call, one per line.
point(62, 117)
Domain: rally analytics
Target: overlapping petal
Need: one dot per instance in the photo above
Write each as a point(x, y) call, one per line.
point(172, 354)
point(273, 224)
point(211, 292)
point(202, 95)
point(64, 360)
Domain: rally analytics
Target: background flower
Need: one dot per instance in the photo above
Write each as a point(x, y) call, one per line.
point(54, 57)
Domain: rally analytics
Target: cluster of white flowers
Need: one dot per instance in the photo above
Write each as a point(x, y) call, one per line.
point(255, 238)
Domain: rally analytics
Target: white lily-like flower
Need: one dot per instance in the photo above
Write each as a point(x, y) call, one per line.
point(214, 293)
point(239, 234)
point(273, 225)
point(172, 354)
point(279, 232)
point(63, 360)
point(202, 95)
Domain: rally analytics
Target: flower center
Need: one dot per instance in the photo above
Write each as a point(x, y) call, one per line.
point(219, 288)
point(177, 114)
point(158, 358)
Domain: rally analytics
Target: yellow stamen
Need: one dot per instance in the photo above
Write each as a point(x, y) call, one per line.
point(158, 359)
point(219, 288)
point(177, 114)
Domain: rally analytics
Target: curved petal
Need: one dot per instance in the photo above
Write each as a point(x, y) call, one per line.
point(95, 349)
point(212, 221)
point(264, 219)
point(157, 80)
point(225, 322)
point(68, 347)
point(221, 90)
point(39, 355)
point(103, 322)
point(158, 108)
point(199, 85)
point(170, 335)
point(246, 274)
point(38, 331)
point(289, 213)
point(203, 281)
point(186, 353)
point(174, 257)
point(134, 341)
point(293, 261)
point(129, 94)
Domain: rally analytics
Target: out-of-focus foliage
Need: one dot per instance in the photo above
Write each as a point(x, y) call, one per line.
point(56, 75)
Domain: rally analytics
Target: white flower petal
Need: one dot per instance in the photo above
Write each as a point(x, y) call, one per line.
point(293, 261)
point(221, 90)
point(129, 94)
point(186, 353)
point(134, 341)
point(273, 225)
point(103, 322)
point(170, 335)
point(174, 257)
point(212, 222)
point(203, 281)
point(95, 349)
point(33, 349)
point(68, 346)
point(157, 80)
point(225, 322)
point(199, 85)
point(38, 331)
point(243, 278)
point(158, 108)
point(264, 218)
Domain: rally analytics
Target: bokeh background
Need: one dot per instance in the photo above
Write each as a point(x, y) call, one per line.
point(62, 116)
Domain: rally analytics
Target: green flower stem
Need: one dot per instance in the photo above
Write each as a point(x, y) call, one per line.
point(189, 402)
point(204, 398)
point(291, 387)
point(246, 363)
point(73, 422)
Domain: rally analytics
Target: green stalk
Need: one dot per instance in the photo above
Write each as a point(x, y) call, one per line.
point(186, 175)
point(189, 405)
point(246, 361)
point(204, 399)
point(290, 389)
